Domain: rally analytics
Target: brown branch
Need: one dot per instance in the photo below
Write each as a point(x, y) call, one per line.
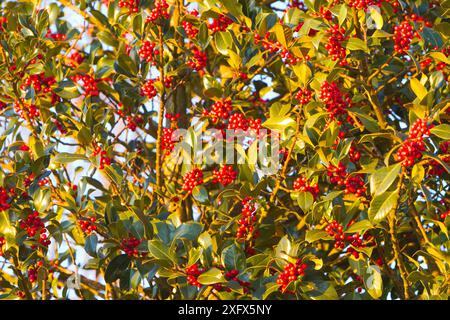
point(21, 278)
point(161, 112)
point(395, 244)
point(285, 165)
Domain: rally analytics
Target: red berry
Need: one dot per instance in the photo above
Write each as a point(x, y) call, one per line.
point(292, 272)
point(190, 30)
point(160, 11)
point(335, 101)
point(303, 96)
point(334, 44)
point(147, 52)
point(219, 24)
point(301, 184)
point(198, 61)
point(192, 179)
point(148, 89)
point(4, 199)
point(132, 5)
point(226, 175)
point(88, 83)
point(129, 245)
point(413, 147)
point(403, 35)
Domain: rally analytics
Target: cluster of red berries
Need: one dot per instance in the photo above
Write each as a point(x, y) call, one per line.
point(159, 11)
point(360, 4)
point(441, 66)
point(32, 61)
point(167, 81)
point(129, 245)
point(336, 230)
point(133, 122)
point(33, 225)
point(335, 101)
point(221, 109)
point(277, 47)
point(172, 117)
point(354, 154)
point(436, 168)
point(167, 141)
point(199, 60)
point(88, 83)
point(193, 272)
point(291, 272)
point(190, 30)
point(43, 182)
point(337, 174)
point(413, 147)
point(192, 179)
point(425, 63)
point(26, 110)
point(104, 159)
point(358, 241)
point(414, 17)
point(246, 229)
point(325, 13)
point(444, 215)
point(267, 44)
point(303, 96)
point(2, 243)
point(39, 82)
point(219, 24)
point(148, 52)
point(302, 184)
point(403, 35)
point(193, 12)
point(74, 59)
point(55, 36)
point(132, 5)
point(355, 184)
point(334, 44)
point(148, 89)
point(4, 199)
point(88, 226)
point(226, 175)
point(419, 129)
point(238, 121)
point(409, 151)
point(32, 274)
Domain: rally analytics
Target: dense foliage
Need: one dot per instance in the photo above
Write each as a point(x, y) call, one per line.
point(92, 93)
